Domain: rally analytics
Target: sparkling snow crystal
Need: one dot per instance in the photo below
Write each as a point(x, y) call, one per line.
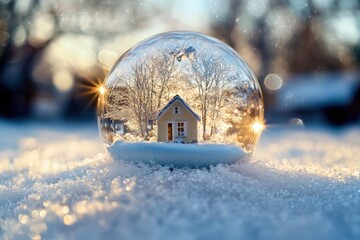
point(57, 182)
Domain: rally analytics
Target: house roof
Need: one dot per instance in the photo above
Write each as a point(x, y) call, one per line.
point(177, 97)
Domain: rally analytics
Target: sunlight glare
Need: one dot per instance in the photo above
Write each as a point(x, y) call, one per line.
point(92, 87)
point(257, 127)
point(102, 90)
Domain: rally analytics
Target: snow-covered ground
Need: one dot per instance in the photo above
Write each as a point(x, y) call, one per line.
point(56, 182)
point(177, 155)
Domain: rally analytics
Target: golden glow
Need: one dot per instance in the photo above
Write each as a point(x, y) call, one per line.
point(102, 90)
point(23, 218)
point(257, 127)
point(69, 219)
point(92, 87)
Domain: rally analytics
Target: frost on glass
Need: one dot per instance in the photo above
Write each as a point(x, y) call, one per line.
point(205, 78)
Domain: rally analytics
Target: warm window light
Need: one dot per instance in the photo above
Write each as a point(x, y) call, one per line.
point(257, 127)
point(102, 90)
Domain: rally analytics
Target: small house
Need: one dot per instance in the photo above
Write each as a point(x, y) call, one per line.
point(177, 121)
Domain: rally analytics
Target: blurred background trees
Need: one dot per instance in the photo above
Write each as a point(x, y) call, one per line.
point(50, 49)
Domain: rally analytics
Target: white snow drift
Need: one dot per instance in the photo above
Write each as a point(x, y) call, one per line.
point(178, 155)
point(57, 182)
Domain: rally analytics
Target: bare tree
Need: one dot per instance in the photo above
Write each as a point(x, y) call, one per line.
point(141, 91)
point(210, 77)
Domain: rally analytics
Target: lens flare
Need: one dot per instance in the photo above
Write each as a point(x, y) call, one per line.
point(257, 127)
point(102, 90)
point(92, 87)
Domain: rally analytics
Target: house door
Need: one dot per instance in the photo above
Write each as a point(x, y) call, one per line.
point(170, 132)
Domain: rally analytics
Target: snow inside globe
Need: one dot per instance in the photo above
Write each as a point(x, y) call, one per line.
point(180, 99)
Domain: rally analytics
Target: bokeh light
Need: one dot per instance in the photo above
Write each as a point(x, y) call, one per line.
point(279, 40)
point(63, 80)
point(273, 82)
point(296, 122)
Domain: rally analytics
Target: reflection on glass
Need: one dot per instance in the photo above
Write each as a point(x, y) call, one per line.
point(181, 87)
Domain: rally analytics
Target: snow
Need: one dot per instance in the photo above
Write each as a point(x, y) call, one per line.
point(178, 155)
point(57, 182)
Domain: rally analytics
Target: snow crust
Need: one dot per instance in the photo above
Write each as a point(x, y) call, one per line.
point(178, 155)
point(57, 182)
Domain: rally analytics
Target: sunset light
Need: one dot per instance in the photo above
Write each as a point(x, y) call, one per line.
point(93, 88)
point(257, 127)
point(102, 90)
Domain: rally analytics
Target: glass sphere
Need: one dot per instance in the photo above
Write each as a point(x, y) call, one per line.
point(181, 87)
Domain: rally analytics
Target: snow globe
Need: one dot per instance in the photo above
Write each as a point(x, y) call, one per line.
point(180, 99)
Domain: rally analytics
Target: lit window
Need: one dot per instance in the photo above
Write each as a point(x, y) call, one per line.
point(177, 110)
point(181, 129)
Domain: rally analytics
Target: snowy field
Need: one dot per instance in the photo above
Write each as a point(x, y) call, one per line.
point(56, 182)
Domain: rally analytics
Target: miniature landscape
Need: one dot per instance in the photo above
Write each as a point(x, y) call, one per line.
point(177, 142)
point(180, 85)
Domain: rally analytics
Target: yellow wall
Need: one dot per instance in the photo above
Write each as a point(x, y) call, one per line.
point(169, 116)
